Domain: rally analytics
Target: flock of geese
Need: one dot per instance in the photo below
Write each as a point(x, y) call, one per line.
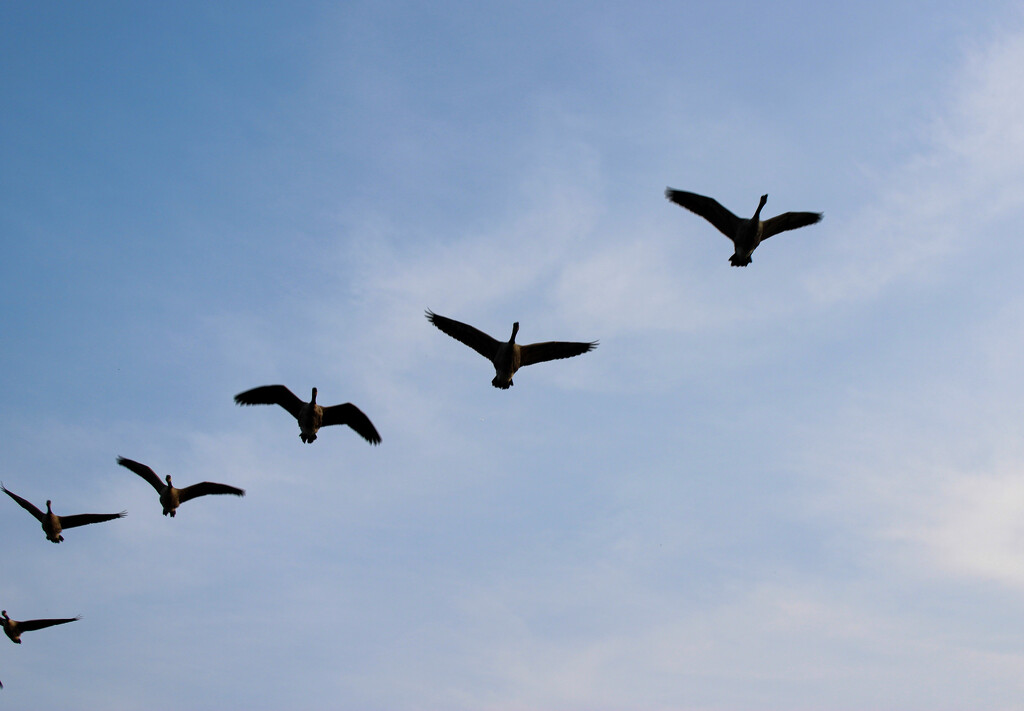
point(507, 357)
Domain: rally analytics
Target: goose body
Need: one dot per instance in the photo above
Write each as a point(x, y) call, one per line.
point(311, 416)
point(14, 628)
point(508, 356)
point(746, 234)
point(53, 524)
point(170, 496)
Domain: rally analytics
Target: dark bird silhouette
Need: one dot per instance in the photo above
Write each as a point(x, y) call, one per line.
point(507, 357)
point(54, 524)
point(745, 234)
point(311, 417)
point(170, 497)
point(14, 628)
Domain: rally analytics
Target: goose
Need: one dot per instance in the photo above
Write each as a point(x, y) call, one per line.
point(171, 497)
point(14, 628)
point(745, 234)
point(311, 417)
point(508, 357)
point(54, 524)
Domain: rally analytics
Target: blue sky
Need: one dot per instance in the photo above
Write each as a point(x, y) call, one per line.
point(792, 486)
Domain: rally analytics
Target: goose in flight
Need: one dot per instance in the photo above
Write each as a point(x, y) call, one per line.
point(745, 234)
point(54, 524)
point(14, 628)
point(508, 357)
point(311, 417)
point(170, 497)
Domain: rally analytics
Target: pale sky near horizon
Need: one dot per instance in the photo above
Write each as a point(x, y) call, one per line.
point(798, 485)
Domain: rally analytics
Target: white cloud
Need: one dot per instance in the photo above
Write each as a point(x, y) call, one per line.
point(925, 475)
point(972, 525)
point(947, 200)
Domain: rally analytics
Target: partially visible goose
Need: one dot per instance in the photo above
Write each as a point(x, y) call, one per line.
point(311, 417)
point(14, 628)
point(170, 497)
point(745, 234)
point(508, 357)
point(54, 524)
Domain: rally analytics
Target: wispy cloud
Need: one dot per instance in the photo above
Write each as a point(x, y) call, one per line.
point(955, 196)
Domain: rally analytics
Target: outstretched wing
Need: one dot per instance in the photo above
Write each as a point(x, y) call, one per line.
point(552, 350)
point(788, 221)
point(27, 505)
point(85, 519)
point(207, 487)
point(349, 414)
point(272, 395)
point(464, 333)
point(143, 471)
point(708, 208)
point(29, 625)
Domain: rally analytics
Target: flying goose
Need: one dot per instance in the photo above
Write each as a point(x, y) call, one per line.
point(508, 357)
point(54, 524)
point(14, 628)
point(745, 234)
point(311, 417)
point(171, 497)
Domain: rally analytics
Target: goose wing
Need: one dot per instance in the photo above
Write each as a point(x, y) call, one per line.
point(204, 488)
point(85, 519)
point(464, 333)
point(788, 221)
point(143, 471)
point(272, 395)
point(349, 414)
point(29, 625)
point(552, 350)
point(27, 505)
point(708, 208)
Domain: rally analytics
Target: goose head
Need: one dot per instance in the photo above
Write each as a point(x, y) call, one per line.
point(48, 506)
point(515, 330)
point(760, 205)
point(312, 398)
point(168, 479)
point(4, 613)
